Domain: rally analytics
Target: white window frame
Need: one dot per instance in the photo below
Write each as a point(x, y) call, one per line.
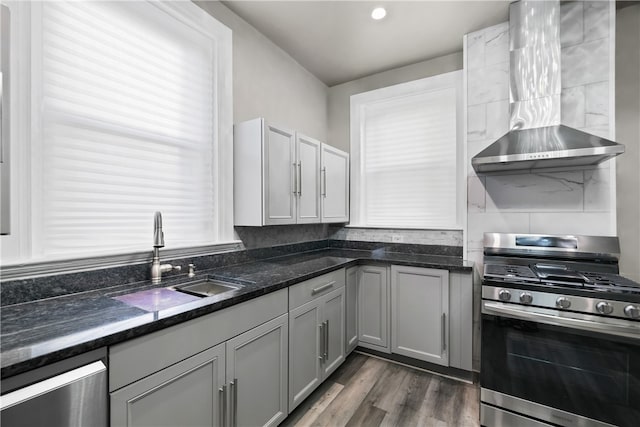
point(359, 101)
point(17, 246)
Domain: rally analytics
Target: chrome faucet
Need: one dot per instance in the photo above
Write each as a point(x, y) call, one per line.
point(158, 242)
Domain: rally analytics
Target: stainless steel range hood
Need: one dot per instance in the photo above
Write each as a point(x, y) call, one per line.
point(545, 147)
point(537, 139)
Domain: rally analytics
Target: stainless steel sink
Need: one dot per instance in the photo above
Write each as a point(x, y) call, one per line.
point(206, 287)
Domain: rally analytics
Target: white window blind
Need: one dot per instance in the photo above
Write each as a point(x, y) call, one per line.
point(407, 155)
point(126, 99)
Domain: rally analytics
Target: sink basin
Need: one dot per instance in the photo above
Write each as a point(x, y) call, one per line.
point(157, 299)
point(207, 287)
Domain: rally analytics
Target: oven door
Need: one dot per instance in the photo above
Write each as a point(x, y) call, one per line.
point(563, 368)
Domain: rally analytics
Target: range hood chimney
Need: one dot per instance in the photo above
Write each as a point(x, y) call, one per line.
point(537, 139)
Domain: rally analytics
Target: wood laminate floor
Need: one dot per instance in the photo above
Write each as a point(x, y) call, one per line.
point(366, 391)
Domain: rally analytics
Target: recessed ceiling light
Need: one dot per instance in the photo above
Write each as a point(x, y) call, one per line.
point(378, 13)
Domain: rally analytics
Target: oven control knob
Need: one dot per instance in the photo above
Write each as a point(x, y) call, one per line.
point(526, 298)
point(632, 311)
point(504, 295)
point(604, 307)
point(563, 302)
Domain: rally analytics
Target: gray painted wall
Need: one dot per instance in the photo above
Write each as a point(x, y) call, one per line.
point(628, 133)
point(269, 83)
point(339, 96)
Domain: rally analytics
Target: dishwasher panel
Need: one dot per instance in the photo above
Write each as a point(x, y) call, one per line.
point(74, 398)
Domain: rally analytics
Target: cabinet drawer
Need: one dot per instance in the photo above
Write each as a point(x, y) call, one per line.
point(316, 287)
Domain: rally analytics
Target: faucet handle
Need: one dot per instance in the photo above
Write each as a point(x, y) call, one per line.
point(165, 268)
point(192, 270)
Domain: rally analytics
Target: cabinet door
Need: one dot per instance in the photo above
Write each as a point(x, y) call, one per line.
point(351, 309)
point(184, 394)
point(420, 312)
point(308, 179)
point(257, 363)
point(373, 308)
point(335, 185)
point(333, 313)
point(279, 170)
point(305, 324)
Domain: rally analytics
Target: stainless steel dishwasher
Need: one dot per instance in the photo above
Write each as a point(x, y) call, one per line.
point(69, 393)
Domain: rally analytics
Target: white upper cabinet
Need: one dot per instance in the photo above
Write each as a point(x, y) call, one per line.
point(279, 175)
point(335, 185)
point(308, 182)
point(264, 173)
point(280, 169)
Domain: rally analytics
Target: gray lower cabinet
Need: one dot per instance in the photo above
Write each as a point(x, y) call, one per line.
point(351, 309)
point(242, 382)
point(226, 369)
point(333, 313)
point(423, 313)
point(257, 363)
point(420, 313)
point(305, 341)
point(462, 324)
point(316, 333)
point(373, 308)
point(185, 394)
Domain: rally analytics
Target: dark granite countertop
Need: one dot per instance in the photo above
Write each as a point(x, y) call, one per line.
point(37, 333)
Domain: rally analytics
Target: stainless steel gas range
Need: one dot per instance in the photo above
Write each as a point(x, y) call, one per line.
point(560, 333)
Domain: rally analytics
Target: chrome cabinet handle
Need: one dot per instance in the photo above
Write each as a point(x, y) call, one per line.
point(233, 388)
point(326, 335)
point(295, 179)
point(235, 402)
point(324, 181)
point(222, 403)
point(321, 337)
point(300, 178)
point(322, 288)
point(444, 331)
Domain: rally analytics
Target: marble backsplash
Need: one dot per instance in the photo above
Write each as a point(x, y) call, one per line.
point(556, 201)
point(409, 236)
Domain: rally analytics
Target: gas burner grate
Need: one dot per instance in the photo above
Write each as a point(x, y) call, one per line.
point(613, 282)
point(509, 271)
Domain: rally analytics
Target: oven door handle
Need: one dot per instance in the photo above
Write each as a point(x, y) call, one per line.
point(618, 327)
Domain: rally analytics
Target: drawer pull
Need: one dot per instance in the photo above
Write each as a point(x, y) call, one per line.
point(322, 288)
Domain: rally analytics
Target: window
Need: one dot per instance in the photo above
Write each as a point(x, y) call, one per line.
point(406, 155)
point(129, 113)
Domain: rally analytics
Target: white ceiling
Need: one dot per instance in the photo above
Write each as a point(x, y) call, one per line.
point(338, 41)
